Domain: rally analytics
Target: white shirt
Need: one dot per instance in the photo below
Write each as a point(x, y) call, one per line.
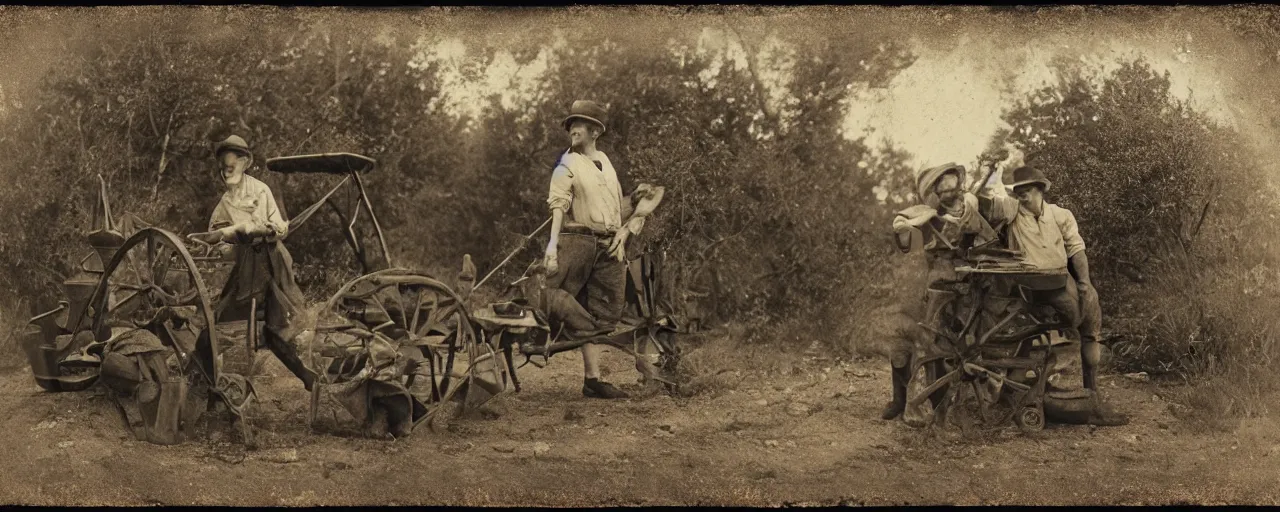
point(251, 203)
point(592, 196)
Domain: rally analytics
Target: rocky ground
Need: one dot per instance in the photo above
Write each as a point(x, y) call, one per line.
point(805, 433)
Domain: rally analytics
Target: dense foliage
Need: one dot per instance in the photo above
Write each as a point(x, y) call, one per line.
point(1178, 216)
point(770, 212)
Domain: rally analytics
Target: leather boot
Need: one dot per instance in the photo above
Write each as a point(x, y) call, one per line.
point(899, 378)
point(1090, 356)
point(1104, 415)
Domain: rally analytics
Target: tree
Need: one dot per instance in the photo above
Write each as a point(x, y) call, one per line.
point(766, 206)
point(1141, 170)
point(1166, 197)
point(768, 211)
point(142, 108)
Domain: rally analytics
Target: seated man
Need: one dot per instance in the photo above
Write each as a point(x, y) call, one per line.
point(248, 215)
point(1049, 239)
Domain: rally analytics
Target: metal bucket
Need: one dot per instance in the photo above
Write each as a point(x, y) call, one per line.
point(78, 290)
point(42, 357)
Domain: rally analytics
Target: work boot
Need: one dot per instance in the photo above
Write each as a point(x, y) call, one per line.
point(899, 377)
point(1090, 378)
point(595, 388)
point(1090, 360)
point(1104, 416)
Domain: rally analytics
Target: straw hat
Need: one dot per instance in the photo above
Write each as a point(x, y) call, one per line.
point(926, 178)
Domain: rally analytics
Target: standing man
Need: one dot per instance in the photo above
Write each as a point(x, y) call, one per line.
point(949, 221)
point(586, 255)
point(248, 217)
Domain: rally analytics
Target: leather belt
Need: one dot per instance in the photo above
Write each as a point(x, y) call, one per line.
point(578, 229)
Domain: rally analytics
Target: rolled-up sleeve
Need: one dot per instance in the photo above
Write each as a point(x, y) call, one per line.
point(274, 219)
point(635, 225)
point(1071, 238)
point(561, 192)
point(998, 210)
point(220, 218)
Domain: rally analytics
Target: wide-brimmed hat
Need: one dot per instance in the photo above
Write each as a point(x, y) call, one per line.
point(232, 143)
point(588, 110)
point(926, 178)
point(1026, 175)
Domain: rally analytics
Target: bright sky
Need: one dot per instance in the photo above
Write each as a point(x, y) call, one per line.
point(947, 105)
point(504, 77)
point(516, 83)
point(944, 107)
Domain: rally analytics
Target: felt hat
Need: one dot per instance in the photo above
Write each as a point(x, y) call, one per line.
point(587, 110)
point(232, 143)
point(1027, 175)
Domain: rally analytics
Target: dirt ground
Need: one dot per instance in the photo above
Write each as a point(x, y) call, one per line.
point(809, 435)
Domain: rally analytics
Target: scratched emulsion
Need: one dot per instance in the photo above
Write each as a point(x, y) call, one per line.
point(764, 426)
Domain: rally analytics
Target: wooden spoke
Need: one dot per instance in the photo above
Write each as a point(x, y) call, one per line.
point(178, 312)
point(408, 309)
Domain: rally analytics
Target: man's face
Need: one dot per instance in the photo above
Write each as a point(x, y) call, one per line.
point(582, 133)
point(947, 188)
point(1029, 195)
point(232, 165)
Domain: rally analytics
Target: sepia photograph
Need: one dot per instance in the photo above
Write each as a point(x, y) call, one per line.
point(637, 255)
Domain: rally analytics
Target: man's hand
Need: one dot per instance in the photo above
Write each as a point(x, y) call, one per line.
point(644, 191)
point(618, 247)
point(251, 229)
point(549, 260)
point(247, 232)
point(916, 216)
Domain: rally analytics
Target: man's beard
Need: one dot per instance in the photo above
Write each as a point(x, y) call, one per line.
point(951, 201)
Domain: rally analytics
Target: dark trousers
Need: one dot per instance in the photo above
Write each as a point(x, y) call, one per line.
point(564, 311)
point(265, 271)
point(588, 273)
point(1082, 313)
point(940, 271)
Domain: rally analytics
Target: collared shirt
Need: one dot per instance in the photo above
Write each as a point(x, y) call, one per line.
point(252, 202)
point(1046, 241)
point(591, 195)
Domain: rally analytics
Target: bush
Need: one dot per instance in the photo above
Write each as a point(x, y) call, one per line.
point(1178, 219)
point(768, 214)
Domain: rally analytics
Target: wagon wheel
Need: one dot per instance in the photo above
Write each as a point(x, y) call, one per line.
point(928, 381)
point(668, 358)
point(1030, 419)
point(422, 316)
point(152, 283)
